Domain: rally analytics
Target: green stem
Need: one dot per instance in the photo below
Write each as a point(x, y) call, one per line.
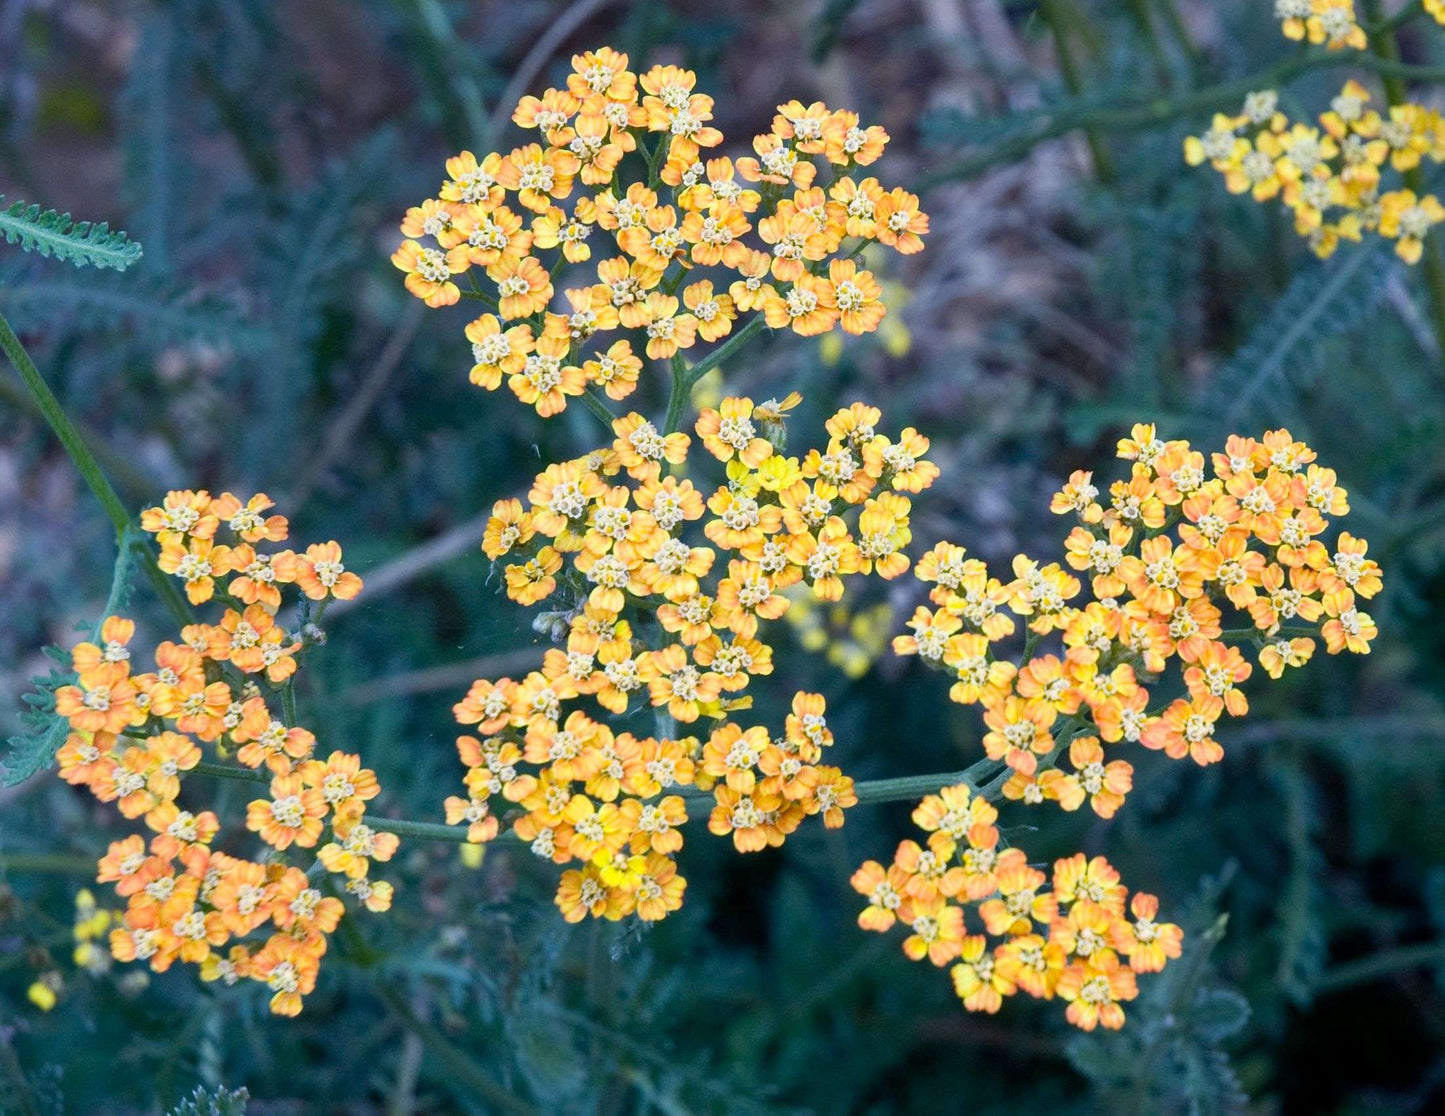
point(1055, 13)
point(459, 1066)
point(46, 862)
point(1175, 20)
point(726, 349)
point(917, 786)
point(288, 702)
point(655, 160)
point(593, 403)
point(422, 831)
point(678, 397)
point(981, 777)
point(226, 771)
point(683, 385)
point(1239, 635)
point(1140, 11)
point(90, 470)
point(253, 139)
point(1408, 14)
point(1381, 964)
point(59, 421)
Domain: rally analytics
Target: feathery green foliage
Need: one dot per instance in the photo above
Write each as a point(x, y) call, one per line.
point(1171, 1058)
point(58, 235)
point(33, 748)
point(1324, 302)
point(158, 309)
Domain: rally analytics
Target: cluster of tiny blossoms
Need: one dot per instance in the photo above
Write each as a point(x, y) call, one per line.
point(89, 926)
point(134, 736)
point(1172, 547)
point(1330, 177)
point(503, 213)
point(1061, 937)
point(1329, 23)
point(648, 615)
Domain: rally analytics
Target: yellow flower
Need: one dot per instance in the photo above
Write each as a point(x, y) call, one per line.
point(1332, 22)
point(714, 313)
point(667, 330)
point(729, 430)
point(616, 370)
point(544, 380)
point(1407, 220)
point(429, 271)
point(523, 286)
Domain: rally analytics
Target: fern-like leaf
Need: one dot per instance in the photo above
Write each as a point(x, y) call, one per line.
point(1322, 304)
point(42, 732)
point(159, 310)
point(1302, 947)
point(58, 235)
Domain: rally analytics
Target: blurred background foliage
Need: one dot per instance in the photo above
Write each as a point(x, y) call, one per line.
point(1077, 280)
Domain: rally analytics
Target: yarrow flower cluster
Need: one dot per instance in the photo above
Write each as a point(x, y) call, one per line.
point(1330, 177)
point(1062, 936)
point(135, 736)
point(670, 274)
point(1172, 547)
point(1329, 23)
point(647, 615)
point(1169, 549)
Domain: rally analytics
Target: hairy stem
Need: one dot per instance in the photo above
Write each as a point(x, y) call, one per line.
point(981, 777)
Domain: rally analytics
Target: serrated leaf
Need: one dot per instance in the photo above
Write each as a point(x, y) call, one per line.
point(58, 235)
point(1322, 303)
point(33, 751)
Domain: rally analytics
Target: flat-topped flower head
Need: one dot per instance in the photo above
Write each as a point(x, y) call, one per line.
point(620, 161)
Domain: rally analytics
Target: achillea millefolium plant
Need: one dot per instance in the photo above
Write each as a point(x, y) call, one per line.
point(657, 560)
point(1334, 178)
